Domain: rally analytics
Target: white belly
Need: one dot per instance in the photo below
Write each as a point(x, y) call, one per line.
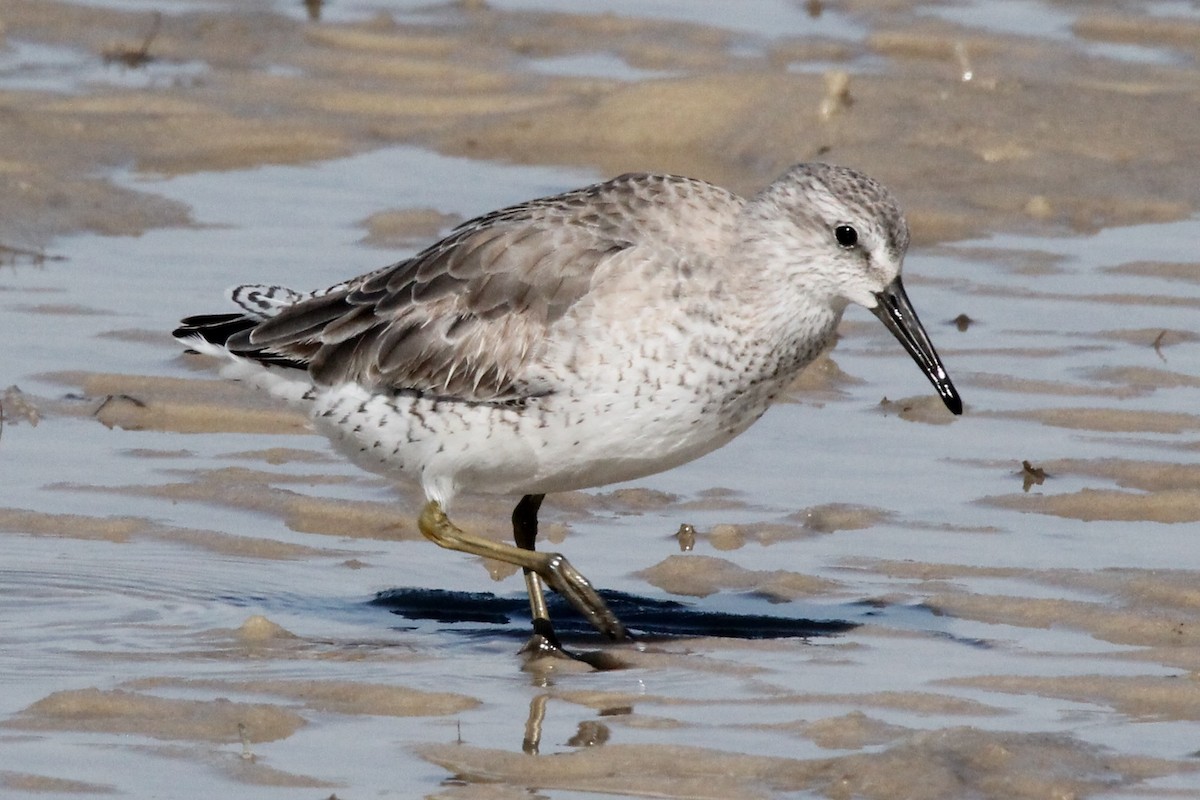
point(549, 444)
point(629, 401)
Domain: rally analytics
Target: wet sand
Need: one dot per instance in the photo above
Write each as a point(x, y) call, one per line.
point(188, 572)
point(1041, 137)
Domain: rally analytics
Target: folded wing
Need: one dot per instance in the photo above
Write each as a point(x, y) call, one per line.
point(463, 319)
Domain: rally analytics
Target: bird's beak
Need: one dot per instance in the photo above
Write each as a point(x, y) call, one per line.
point(895, 312)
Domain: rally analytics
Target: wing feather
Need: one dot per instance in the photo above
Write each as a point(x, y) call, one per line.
point(463, 318)
point(470, 316)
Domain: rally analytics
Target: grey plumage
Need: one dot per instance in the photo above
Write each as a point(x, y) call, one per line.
point(465, 317)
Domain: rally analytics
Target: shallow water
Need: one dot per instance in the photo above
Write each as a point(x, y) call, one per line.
point(179, 559)
point(96, 604)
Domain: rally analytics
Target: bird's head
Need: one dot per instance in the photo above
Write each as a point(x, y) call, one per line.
point(844, 237)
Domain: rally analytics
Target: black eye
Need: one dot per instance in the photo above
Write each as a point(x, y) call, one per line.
point(846, 235)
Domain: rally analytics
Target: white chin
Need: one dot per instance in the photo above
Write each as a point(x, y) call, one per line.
point(863, 298)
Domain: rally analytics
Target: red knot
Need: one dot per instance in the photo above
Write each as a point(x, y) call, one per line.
point(572, 341)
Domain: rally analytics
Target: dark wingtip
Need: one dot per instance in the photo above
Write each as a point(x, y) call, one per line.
point(228, 331)
point(214, 328)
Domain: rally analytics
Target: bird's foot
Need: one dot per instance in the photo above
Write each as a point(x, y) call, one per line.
point(543, 652)
point(544, 643)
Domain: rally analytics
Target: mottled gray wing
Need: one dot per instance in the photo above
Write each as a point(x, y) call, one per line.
point(465, 317)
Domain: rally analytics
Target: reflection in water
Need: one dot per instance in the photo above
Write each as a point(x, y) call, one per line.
point(590, 732)
point(532, 742)
point(687, 538)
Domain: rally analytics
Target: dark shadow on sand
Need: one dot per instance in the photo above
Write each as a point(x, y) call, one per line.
point(645, 617)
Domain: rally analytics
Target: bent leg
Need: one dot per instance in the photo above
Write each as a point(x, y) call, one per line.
point(553, 568)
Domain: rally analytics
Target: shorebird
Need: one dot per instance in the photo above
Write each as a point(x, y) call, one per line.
point(572, 341)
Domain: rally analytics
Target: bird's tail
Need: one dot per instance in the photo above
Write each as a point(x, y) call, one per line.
point(226, 337)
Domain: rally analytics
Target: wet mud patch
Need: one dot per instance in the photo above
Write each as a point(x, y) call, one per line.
point(1109, 420)
point(407, 228)
point(1025, 386)
point(1166, 270)
point(260, 639)
point(1157, 338)
point(1143, 698)
point(123, 530)
point(953, 763)
point(1116, 27)
point(833, 517)
point(337, 697)
point(145, 402)
point(853, 731)
point(1149, 609)
point(920, 703)
point(701, 576)
point(283, 455)
point(1149, 476)
point(39, 784)
point(254, 490)
point(920, 408)
point(1145, 379)
point(821, 381)
point(976, 156)
point(245, 767)
point(1116, 625)
point(251, 772)
point(125, 712)
point(1163, 492)
point(1089, 505)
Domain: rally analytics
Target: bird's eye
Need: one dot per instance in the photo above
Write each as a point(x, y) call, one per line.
point(846, 235)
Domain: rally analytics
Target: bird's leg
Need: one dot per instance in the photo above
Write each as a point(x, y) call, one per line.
point(551, 567)
point(525, 524)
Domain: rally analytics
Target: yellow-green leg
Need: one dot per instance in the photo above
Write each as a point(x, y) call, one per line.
point(553, 568)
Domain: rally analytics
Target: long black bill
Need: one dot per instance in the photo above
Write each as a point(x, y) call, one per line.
point(894, 311)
